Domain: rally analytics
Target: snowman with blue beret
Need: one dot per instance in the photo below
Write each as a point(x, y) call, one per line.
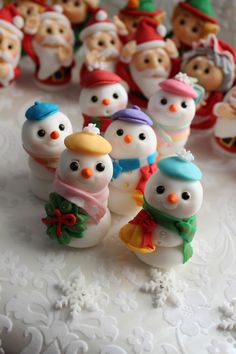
point(43, 135)
point(162, 233)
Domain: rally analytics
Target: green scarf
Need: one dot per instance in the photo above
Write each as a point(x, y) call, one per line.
point(185, 228)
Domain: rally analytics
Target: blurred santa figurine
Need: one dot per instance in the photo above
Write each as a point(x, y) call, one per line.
point(10, 44)
point(225, 128)
point(101, 43)
point(51, 49)
point(147, 61)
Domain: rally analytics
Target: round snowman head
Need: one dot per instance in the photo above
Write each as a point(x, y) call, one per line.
point(131, 134)
point(173, 105)
point(103, 100)
point(85, 164)
point(175, 188)
point(45, 129)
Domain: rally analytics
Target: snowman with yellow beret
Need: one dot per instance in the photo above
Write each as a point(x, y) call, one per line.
point(77, 213)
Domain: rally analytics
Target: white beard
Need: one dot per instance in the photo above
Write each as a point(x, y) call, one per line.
point(148, 84)
point(49, 61)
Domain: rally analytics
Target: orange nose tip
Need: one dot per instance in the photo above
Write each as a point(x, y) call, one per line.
point(106, 101)
point(173, 108)
point(87, 172)
point(172, 198)
point(128, 139)
point(54, 135)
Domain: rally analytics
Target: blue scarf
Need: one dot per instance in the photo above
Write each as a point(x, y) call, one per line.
point(127, 165)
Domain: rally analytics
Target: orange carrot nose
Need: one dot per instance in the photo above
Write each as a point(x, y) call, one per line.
point(54, 135)
point(87, 172)
point(128, 139)
point(173, 108)
point(106, 101)
point(172, 198)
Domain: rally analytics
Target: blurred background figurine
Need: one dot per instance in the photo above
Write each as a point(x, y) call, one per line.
point(146, 61)
point(51, 49)
point(192, 20)
point(225, 128)
point(10, 44)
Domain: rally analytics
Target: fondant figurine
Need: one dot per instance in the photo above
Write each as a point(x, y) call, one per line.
point(51, 49)
point(146, 61)
point(134, 12)
point(101, 43)
point(77, 213)
point(101, 96)
point(192, 21)
point(172, 109)
point(134, 159)
point(79, 13)
point(10, 45)
point(31, 10)
point(212, 63)
point(43, 135)
point(225, 128)
point(161, 234)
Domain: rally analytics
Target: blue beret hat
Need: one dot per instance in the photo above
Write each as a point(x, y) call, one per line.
point(41, 110)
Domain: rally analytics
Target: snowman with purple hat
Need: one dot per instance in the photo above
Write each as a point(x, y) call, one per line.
point(134, 159)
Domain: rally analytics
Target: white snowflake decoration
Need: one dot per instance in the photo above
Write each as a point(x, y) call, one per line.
point(228, 311)
point(184, 78)
point(78, 296)
point(185, 155)
point(91, 129)
point(164, 288)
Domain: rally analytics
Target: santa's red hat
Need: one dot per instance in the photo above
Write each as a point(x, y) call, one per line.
point(99, 22)
point(11, 20)
point(99, 77)
point(55, 13)
point(150, 35)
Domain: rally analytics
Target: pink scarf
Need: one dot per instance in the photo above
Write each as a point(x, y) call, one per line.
point(92, 202)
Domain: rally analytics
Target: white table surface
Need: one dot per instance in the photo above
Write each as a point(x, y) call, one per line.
point(32, 266)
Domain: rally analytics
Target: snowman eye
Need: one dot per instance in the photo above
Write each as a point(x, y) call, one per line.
point(142, 136)
point(164, 101)
point(94, 99)
point(184, 105)
point(186, 195)
point(41, 133)
point(61, 127)
point(120, 132)
point(115, 96)
point(74, 166)
point(100, 167)
point(160, 189)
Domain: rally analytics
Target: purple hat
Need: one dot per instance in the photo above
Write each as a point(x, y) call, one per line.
point(132, 115)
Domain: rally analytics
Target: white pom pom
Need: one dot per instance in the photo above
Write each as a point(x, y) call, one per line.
point(58, 9)
point(101, 15)
point(18, 22)
point(185, 155)
point(161, 29)
point(91, 129)
point(185, 79)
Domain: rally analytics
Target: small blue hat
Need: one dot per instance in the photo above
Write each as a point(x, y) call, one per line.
point(41, 110)
point(180, 167)
point(132, 115)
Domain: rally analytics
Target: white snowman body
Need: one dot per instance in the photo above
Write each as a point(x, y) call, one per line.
point(172, 115)
point(129, 141)
point(173, 201)
point(44, 142)
point(89, 179)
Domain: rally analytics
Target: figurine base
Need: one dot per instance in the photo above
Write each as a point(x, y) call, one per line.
point(121, 202)
point(93, 234)
point(163, 257)
point(51, 88)
point(221, 150)
point(40, 188)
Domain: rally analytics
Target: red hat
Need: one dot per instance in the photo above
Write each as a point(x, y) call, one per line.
point(99, 77)
point(180, 85)
point(149, 35)
point(99, 22)
point(11, 20)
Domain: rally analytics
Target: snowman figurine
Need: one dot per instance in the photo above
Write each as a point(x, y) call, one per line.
point(43, 135)
point(101, 96)
point(172, 109)
point(134, 159)
point(77, 213)
point(161, 234)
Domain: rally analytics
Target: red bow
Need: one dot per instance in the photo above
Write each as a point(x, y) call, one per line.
point(148, 225)
point(60, 219)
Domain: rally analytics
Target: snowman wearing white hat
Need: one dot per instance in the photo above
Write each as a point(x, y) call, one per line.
point(43, 135)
